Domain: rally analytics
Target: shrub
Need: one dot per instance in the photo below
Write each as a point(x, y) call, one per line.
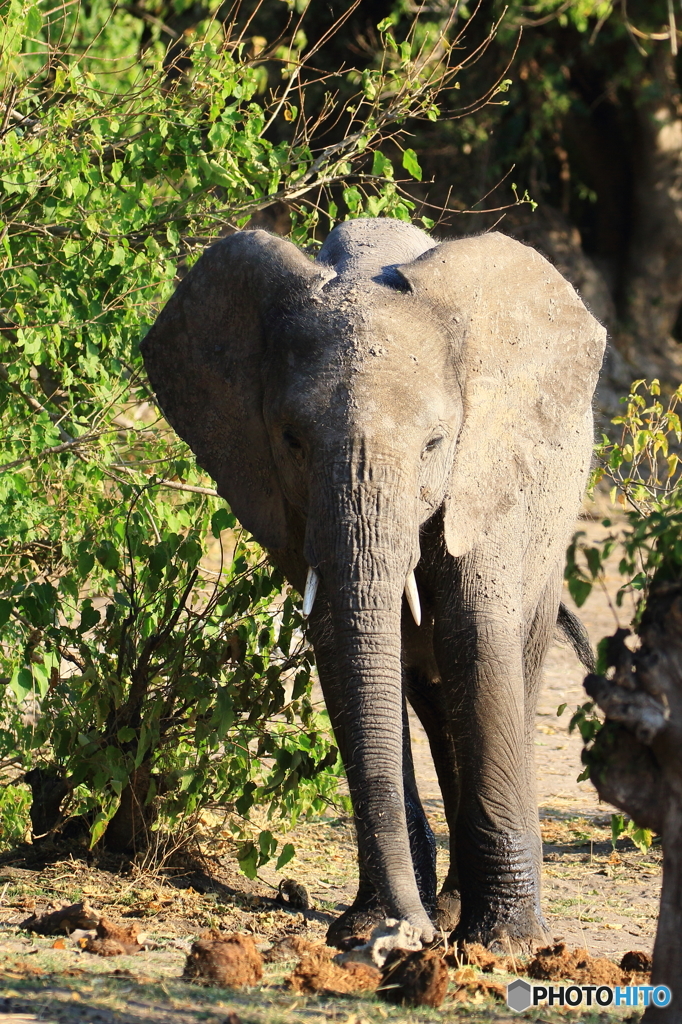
point(140, 681)
point(645, 473)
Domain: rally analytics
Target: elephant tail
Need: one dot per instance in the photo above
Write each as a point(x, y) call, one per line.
point(576, 634)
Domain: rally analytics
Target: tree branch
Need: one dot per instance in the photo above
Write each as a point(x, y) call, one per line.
point(73, 442)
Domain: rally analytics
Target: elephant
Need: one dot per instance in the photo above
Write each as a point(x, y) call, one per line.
point(406, 427)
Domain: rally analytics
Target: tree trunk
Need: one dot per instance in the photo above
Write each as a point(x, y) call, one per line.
point(48, 789)
point(653, 286)
point(128, 830)
point(636, 762)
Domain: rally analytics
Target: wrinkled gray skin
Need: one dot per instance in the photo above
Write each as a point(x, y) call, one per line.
point(399, 404)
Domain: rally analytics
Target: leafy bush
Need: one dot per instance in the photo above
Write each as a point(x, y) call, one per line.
point(645, 473)
point(14, 804)
point(644, 469)
point(144, 678)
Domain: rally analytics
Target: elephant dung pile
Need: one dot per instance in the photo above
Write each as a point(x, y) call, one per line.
point(114, 939)
point(227, 960)
point(391, 963)
point(290, 946)
point(408, 977)
point(316, 973)
point(476, 955)
point(64, 921)
point(554, 963)
point(94, 933)
point(416, 979)
point(471, 988)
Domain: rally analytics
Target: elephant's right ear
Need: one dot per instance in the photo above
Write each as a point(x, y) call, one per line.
point(529, 359)
point(204, 356)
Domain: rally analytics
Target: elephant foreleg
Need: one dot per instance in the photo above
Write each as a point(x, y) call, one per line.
point(422, 839)
point(367, 909)
point(482, 648)
point(426, 699)
point(425, 693)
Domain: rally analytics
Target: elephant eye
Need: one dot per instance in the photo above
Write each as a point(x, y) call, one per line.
point(431, 445)
point(291, 440)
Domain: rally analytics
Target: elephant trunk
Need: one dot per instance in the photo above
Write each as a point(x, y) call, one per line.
point(362, 537)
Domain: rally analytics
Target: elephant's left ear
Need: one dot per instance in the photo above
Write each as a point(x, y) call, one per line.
point(530, 357)
point(204, 357)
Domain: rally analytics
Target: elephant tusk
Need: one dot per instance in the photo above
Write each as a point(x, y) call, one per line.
point(412, 595)
point(310, 592)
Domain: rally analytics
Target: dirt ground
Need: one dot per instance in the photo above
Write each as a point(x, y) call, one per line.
point(593, 897)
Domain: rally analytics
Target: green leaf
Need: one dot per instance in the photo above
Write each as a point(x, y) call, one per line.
point(245, 801)
point(247, 857)
point(85, 562)
point(90, 617)
point(5, 610)
point(381, 165)
point(118, 256)
point(107, 555)
point(411, 164)
point(617, 828)
point(300, 684)
point(579, 590)
point(99, 827)
point(222, 520)
point(224, 711)
point(287, 854)
point(21, 683)
point(34, 21)
point(267, 845)
point(641, 837)
point(593, 558)
point(603, 648)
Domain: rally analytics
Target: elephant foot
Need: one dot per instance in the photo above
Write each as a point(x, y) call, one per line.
point(356, 924)
point(515, 930)
point(448, 910)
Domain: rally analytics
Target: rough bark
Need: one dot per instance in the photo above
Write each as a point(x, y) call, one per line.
point(654, 279)
point(128, 830)
point(636, 762)
point(48, 789)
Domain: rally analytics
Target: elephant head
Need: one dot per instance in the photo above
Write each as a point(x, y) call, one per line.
point(340, 402)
